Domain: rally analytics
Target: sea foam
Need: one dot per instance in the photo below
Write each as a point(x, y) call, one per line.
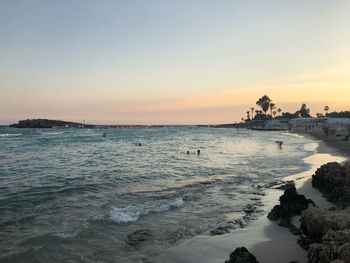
point(132, 213)
point(10, 134)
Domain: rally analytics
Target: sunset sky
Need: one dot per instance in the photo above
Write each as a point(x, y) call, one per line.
point(170, 62)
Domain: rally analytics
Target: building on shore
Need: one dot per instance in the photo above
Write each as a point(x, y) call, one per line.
point(340, 125)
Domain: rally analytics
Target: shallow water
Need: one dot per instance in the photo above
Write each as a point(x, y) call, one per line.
point(73, 195)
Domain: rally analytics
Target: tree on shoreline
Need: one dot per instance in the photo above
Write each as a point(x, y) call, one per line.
point(304, 112)
point(252, 109)
point(272, 107)
point(326, 109)
point(279, 111)
point(264, 103)
point(340, 114)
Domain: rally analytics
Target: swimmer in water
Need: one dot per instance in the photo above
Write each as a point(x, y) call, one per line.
point(279, 143)
point(198, 152)
point(188, 152)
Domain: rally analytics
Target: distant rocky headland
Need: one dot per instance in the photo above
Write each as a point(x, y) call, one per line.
point(46, 123)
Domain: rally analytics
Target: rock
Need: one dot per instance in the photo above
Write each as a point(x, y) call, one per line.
point(139, 236)
point(277, 212)
point(333, 180)
point(296, 230)
point(304, 242)
point(291, 204)
point(328, 176)
point(339, 196)
point(249, 209)
point(241, 255)
point(221, 230)
point(316, 222)
point(335, 247)
point(285, 186)
point(331, 230)
point(294, 203)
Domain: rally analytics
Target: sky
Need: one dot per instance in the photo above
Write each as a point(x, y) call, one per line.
point(170, 62)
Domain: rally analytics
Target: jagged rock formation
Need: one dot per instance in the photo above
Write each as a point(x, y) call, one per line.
point(335, 247)
point(316, 222)
point(333, 180)
point(241, 255)
point(329, 231)
point(291, 204)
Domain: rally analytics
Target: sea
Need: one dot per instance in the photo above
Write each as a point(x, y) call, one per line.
point(77, 195)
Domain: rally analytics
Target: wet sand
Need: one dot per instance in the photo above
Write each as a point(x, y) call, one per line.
point(269, 242)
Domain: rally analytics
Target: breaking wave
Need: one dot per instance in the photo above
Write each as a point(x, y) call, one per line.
point(132, 213)
point(52, 133)
point(10, 134)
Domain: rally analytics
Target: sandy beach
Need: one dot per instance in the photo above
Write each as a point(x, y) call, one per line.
point(266, 240)
point(330, 144)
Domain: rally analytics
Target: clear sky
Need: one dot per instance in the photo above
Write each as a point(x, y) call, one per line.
point(164, 62)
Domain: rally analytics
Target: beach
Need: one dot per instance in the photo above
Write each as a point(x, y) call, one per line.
point(264, 238)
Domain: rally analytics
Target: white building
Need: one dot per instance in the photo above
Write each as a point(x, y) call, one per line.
point(335, 124)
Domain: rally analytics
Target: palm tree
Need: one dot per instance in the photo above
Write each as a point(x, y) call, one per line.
point(326, 109)
point(272, 107)
point(252, 109)
point(264, 103)
point(248, 115)
point(274, 113)
point(279, 111)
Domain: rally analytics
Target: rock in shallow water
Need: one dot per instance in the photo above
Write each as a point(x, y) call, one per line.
point(139, 236)
point(241, 255)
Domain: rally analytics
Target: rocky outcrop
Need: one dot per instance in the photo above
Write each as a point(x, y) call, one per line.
point(333, 180)
point(45, 123)
point(241, 255)
point(291, 204)
point(331, 232)
point(316, 222)
point(335, 247)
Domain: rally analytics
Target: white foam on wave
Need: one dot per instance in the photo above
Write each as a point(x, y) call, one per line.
point(70, 231)
point(10, 134)
point(52, 133)
point(132, 213)
point(293, 135)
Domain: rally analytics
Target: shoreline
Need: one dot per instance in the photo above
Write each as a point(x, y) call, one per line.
point(328, 144)
point(266, 240)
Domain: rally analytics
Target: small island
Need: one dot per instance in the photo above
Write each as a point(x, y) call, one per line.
point(45, 123)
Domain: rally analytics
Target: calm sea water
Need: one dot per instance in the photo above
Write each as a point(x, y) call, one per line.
point(70, 195)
